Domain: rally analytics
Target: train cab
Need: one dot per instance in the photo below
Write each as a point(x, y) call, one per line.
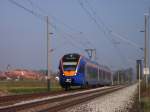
point(70, 70)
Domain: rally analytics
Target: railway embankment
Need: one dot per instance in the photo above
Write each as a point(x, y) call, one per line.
point(144, 105)
point(60, 102)
point(118, 101)
point(145, 101)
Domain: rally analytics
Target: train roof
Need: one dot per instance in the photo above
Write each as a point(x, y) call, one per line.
point(73, 54)
point(88, 60)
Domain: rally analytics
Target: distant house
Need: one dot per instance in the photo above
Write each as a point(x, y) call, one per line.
point(2, 76)
point(20, 74)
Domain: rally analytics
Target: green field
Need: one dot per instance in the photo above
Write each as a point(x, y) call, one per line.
point(145, 99)
point(145, 103)
point(27, 86)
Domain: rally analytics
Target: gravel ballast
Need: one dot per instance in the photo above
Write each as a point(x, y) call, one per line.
point(119, 101)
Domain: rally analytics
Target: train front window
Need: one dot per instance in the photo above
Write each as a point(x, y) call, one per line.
point(69, 66)
point(70, 62)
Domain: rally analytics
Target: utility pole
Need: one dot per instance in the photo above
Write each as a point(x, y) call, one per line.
point(146, 42)
point(112, 80)
point(139, 67)
point(139, 77)
point(118, 78)
point(48, 56)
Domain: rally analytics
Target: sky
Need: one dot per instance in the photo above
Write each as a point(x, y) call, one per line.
point(112, 27)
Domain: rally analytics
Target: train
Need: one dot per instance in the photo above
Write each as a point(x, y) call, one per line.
point(77, 70)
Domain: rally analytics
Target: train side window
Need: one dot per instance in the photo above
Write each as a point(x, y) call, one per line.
point(100, 74)
point(107, 74)
point(104, 75)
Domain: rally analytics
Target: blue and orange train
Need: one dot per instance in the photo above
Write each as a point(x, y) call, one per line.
point(76, 70)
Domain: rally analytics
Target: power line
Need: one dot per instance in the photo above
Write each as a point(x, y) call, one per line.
point(34, 13)
point(54, 26)
point(90, 15)
point(124, 39)
point(93, 17)
point(30, 3)
point(110, 31)
point(28, 10)
point(40, 16)
point(105, 28)
point(63, 23)
point(73, 38)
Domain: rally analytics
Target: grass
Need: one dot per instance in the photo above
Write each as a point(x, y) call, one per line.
point(27, 86)
point(25, 90)
point(145, 104)
point(145, 98)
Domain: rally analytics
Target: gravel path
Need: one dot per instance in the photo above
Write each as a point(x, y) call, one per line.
point(119, 101)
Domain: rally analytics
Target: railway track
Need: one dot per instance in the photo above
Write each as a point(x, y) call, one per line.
point(59, 102)
point(12, 99)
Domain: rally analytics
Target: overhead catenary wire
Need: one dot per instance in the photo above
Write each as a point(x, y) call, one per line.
point(96, 16)
point(30, 3)
point(83, 44)
point(68, 35)
point(93, 18)
point(106, 29)
point(90, 15)
point(65, 25)
point(41, 17)
point(115, 34)
point(110, 31)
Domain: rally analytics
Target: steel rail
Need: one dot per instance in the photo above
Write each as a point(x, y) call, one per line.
point(61, 102)
point(12, 99)
point(79, 99)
